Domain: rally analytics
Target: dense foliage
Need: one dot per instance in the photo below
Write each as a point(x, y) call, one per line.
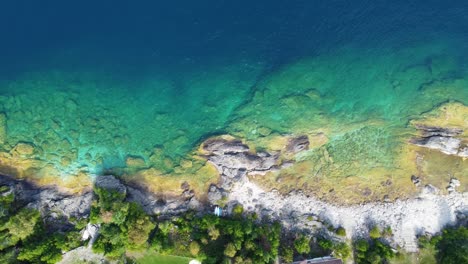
point(25, 238)
point(451, 246)
point(240, 238)
point(214, 240)
point(372, 252)
point(124, 225)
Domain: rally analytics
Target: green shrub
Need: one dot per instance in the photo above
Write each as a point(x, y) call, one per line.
point(388, 232)
point(452, 246)
point(230, 250)
point(287, 254)
point(341, 250)
point(325, 243)
point(374, 233)
point(373, 252)
point(302, 244)
point(23, 224)
point(238, 210)
point(42, 250)
point(194, 248)
point(341, 231)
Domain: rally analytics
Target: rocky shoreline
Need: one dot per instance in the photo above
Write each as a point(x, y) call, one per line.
point(428, 213)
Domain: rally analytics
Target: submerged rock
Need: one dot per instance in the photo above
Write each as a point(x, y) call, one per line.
point(3, 128)
point(24, 149)
point(298, 144)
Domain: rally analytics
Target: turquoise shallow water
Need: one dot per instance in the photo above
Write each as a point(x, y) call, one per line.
point(89, 91)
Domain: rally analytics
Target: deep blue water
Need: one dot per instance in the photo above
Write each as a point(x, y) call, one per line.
point(135, 35)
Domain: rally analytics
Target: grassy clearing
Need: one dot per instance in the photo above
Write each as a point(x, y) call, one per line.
point(153, 258)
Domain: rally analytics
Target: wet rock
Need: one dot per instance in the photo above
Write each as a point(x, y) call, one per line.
point(221, 146)
point(428, 131)
point(185, 186)
point(135, 161)
point(416, 181)
point(24, 149)
point(453, 184)
point(430, 189)
point(463, 152)
point(109, 182)
point(298, 144)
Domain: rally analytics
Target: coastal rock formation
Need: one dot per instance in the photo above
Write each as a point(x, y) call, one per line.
point(234, 160)
point(297, 210)
point(52, 203)
point(153, 204)
point(298, 144)
point(442, 139)
point(110, 183)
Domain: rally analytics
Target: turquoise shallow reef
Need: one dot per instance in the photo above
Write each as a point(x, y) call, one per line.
point(145, 85)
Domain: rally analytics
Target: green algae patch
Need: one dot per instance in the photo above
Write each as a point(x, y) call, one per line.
point(448, 115)
point(197, 177)
point(359, 122)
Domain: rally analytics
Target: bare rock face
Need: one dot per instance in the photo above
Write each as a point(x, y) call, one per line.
point(215, 194)
point(234, 160)
point(220, 146)
point(447, 145)
point(53, 204)
point(298, 144)
point(428, 131)
point(441, 139)
point(110, 183)
point(153, 204)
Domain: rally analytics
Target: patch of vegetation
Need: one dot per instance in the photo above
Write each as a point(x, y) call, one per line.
point(372, 252)
point(215, 240)
point(124, 226)
point(302, 244)
point(374, 233)
point(341, 231)
point(449, 247)
point(25, 237)
point(337, 249)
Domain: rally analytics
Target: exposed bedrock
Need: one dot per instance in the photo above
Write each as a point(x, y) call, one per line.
point(442, 139)
point(52, 203)
point(151, 202)
point(298, 144)
point(234, 160)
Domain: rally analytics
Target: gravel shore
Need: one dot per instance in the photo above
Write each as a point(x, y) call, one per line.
point(430, 212)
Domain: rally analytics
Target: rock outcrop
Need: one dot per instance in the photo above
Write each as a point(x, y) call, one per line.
point(109, 182)
point(53, 204)
point(153, 204)
point(442, 139)
point(298, 144)
point(234, 160)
